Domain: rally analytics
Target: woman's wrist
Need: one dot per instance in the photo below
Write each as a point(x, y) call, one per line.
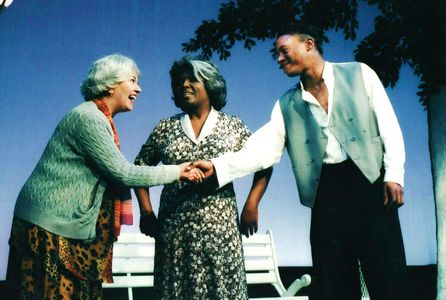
point(145, 212)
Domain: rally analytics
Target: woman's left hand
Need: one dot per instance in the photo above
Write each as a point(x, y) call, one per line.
point(148, 224)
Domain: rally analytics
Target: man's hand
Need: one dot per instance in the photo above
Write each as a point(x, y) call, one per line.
point(206, 166)
point(393, 195)
point(148, 224)
point(249, 219)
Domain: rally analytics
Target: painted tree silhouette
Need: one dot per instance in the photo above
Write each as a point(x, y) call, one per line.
point(406, 32)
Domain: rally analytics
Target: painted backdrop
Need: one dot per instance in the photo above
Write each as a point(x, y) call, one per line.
point(47, 47)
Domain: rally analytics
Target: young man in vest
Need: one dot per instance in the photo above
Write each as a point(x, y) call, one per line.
point(347, 153)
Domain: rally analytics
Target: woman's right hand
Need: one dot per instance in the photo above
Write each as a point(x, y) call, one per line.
point(190, 173)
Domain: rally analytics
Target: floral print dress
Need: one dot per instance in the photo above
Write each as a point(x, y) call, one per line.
point(198, 252)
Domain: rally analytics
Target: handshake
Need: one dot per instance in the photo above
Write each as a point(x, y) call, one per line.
point(197, 171)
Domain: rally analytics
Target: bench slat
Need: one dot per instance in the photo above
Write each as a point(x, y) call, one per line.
point(258, 278)
point(130, 281)
point(257, 265)
point(136, 238)
point(257, 239)
point(132, 250)
point(258, 251)
point(121, 265)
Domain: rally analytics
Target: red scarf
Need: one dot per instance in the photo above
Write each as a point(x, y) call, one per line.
point(121, 195)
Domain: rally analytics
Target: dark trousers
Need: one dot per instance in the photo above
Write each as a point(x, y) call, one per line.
point(349, 223)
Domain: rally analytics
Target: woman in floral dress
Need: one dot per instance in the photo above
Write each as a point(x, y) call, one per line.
point(198, 243)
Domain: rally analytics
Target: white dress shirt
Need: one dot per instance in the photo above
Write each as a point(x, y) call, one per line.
point(265, 147)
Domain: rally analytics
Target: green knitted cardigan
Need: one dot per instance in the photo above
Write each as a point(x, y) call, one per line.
point(64, 192)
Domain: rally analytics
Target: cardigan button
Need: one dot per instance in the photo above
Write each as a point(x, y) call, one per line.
point(352, 139)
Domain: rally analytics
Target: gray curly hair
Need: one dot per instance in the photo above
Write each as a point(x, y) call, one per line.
point(106, 73)
point(205, 72)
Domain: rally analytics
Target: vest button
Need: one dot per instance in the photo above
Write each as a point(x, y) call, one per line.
point(350, 119)
point(307, 141)
point(352, 139)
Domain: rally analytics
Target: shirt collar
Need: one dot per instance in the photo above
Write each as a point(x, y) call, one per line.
point(209, 124)
point(327, 75)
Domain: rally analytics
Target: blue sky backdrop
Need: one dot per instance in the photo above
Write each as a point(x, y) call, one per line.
point(47, 48)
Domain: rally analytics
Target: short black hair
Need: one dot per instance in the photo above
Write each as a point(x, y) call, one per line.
point(304, 30)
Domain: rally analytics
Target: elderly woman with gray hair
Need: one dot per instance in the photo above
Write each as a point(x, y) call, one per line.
point(198, 252)
point(63, 228)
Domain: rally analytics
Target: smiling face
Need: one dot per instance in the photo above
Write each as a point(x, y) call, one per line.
point(189, 93)
point(123, 96)
point(292, 52)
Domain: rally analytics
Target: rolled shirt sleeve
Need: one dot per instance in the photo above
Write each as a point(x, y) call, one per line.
point(263, 149)
point(389, 128)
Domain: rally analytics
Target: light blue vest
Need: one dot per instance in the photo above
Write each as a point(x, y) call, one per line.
point(352, 122)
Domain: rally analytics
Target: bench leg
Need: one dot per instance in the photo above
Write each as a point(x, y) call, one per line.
point(130, 290)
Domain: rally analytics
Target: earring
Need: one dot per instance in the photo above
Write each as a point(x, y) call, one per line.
point(110, 92)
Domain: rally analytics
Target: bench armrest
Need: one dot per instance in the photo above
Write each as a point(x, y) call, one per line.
point(304, 281)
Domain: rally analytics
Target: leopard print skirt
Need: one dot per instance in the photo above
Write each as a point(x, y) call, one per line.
point(43, 265)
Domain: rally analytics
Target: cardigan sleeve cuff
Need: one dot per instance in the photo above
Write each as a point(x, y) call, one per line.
point(172, 173)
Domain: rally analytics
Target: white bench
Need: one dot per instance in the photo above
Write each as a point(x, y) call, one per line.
point(133, 257)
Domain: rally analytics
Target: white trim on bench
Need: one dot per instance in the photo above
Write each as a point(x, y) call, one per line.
point(133, 257)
